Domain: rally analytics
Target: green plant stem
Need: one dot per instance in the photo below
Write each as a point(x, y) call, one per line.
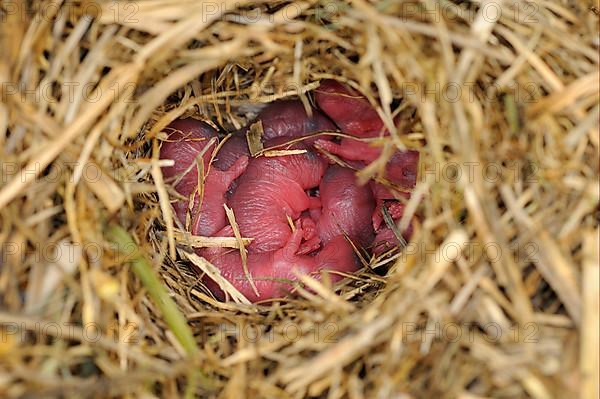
point(175, 320)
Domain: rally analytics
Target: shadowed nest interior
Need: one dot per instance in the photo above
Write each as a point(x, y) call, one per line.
point(496, 295)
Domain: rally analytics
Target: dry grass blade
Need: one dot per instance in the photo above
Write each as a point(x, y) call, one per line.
point(282, 153)
point(325, 293)
point(46, 155)
point(193, 241)
point(337, 355)
point(254, 138)
point(104, 187)
point(142, 269)
point(214, 274)
point(551, 263)
point(590, 363)
point(242, 248)
point(165, 207)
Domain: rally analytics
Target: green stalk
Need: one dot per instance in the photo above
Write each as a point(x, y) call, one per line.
point(512, 113)
point(175, 320)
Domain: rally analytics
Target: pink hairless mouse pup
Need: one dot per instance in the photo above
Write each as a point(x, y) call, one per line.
point(303, 214)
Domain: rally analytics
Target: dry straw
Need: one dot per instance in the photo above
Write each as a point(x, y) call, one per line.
point(495, 296)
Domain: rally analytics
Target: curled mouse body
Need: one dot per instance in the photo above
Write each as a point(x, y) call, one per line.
point(274, 273)
point(354, 115)
point(349, 109)
point(187, 139)
point(271, 192)
point(346, 207)
point(303, 213)
point(289, 118)
point(401, 169)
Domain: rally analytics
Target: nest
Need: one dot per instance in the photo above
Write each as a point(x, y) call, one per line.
point(496, 295)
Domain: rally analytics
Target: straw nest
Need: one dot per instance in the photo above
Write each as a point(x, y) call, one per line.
point(496, 295)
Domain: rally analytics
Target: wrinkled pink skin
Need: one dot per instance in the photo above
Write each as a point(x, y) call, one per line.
point(269, 191)
point(350, 110)
point(395, 209)
point(289, 118)
point(346, 207)
point(353, 113)
point(282, 121)
point(235, 147)
point(350, 149)
point(187, 139)
point(401, 169)
point(212, 217)
point(273, 272)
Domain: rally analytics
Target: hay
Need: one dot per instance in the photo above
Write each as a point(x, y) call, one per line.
point(495, 296)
